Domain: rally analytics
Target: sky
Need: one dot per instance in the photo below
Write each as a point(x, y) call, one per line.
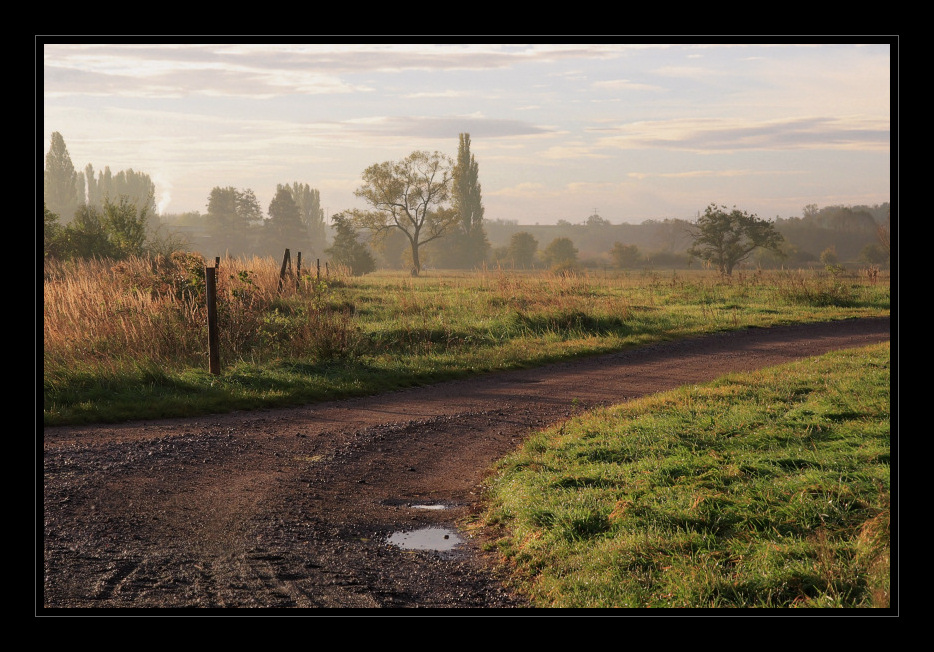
point(559, 131)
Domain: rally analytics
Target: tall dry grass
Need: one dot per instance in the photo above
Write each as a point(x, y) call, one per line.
point(145, 312)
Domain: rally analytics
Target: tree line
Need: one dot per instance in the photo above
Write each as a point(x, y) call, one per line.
point(427, 209)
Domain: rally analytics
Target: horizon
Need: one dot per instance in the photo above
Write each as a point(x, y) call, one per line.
point(559, 131)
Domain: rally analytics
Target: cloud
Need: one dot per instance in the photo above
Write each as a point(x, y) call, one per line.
point(725, 135)
point(444, 127)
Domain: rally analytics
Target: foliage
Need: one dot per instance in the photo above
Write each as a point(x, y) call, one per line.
point(348, 250)
point(136, 187)
point(308, 200)
point(117, 230)
point(560, 254)
point(625, 256)
point(125, 225)
point(829, 256)
point(884, 234)
point(522, 249)
point(873, 254)
point(62, 194)
point(231, 214)
point(53, 232)
point(285, 229)
point(468, 244)
point(410, 195)
point(726, 238)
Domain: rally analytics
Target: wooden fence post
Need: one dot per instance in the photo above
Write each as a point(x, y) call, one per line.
point(298, 270)
point(286, 262)
point(210, 286)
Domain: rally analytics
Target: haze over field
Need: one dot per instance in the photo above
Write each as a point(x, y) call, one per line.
point(560, 131)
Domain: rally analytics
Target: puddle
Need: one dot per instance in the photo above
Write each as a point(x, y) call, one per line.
point(440, 539)
point(429, 506)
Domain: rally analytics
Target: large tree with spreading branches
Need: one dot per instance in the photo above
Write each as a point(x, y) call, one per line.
point(725, 238)
point(410, 196)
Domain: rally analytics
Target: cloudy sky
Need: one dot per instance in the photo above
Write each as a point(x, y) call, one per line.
point(633, 132)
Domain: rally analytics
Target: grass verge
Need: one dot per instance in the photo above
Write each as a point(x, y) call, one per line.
point(760, 490)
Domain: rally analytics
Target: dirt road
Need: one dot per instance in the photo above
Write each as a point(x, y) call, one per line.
point(294, 508)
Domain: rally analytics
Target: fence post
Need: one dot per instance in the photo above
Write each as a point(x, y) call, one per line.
point(319, 268)
point(298, 270)
point(286, 262)
point(210, 287)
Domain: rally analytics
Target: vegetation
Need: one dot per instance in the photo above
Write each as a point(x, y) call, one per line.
point(769, 489)
point(560, 255)
point(128, 339)
point(466, 245)
point(117, 230)
point(758, 490)
point(347, 250)
point(726, 238)
point(410, 195)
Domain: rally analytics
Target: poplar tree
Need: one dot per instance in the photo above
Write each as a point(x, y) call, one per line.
point(470, 242)
point(308, 200)
point(62, 194)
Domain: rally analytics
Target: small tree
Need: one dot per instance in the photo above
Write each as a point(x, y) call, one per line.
point(726, 238)
point(522, 249)
point(829, 256)
point(348, 250)
point(411, 196)
point(561, 254)
point(125, 225)
point(86, 235)
point(53, 234)
point(625, 256)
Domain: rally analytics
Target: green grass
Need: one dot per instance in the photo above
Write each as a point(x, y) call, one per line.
point(356, 336)
point(760, 490)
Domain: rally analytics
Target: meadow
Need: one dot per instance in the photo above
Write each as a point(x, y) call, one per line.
point(761, 490)
point(129, 340)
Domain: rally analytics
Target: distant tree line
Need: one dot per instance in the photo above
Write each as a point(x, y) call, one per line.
point(427, 210)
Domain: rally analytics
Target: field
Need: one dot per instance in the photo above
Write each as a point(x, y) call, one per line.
point(129, 340)
point(760, 489)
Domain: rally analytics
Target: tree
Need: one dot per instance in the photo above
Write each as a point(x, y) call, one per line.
point(625, 256)
point(596, 220)
point(410, 196)
point(53, 233)
point(86, 235)
point(522, 249)
point(726, 239)
point(308, 200)
point(284, 214)
point(61, 191)
point(471, 246)
point(884, 234)
point(348, 250)
point(560, 254)
point(125, 225)
point(230, 215)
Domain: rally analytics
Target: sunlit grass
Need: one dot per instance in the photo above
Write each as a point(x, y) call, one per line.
point(117, 336)
point(767, 489)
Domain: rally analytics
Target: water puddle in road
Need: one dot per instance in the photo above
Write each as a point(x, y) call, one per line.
point(436, 506)
point(440, 539)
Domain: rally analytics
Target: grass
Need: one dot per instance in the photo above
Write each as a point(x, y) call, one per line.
point(760, 490)
point(129, 340)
